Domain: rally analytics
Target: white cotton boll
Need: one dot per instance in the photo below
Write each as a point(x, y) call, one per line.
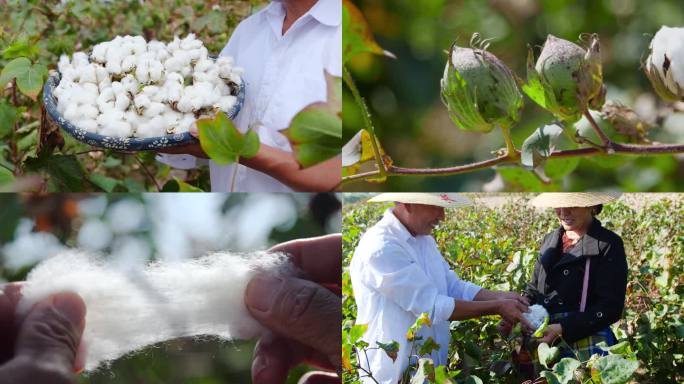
point(114, 67)
point(190, 42)
point(64, 63)
point(89, 125)
point(185, 123)
point(102, 74)
point(186, 71)
point(152, 128)
point(154, 109)
point(536, 315)
point(142, 101)
point(89, 112)
point(72, 112)
point(172, 92)
point(100, 52)
point(222, 89)
point(171, 117)
point(156, 70)
point(142, 71)
point(71, 74)
point(106, 96)
point(234, 78)
point(118, 88)
point(226, 103)
point(79, 59)
point(184, 104)
point(194, 54)
point(199, 77)
point(174, 45)
point(133, 119)
point(131, 309)
point(108, 116)
point(175, 63)
point(122, 102)
point(225, 61)
point(130, 84)
point(129, 63)
point(94, 235)
point(116, 128)
point(203, 65)
point(88, 74)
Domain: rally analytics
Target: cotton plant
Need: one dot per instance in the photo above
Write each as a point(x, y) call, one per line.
point(128, 87)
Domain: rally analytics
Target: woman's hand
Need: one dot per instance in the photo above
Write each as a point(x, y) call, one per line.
point(503, 295)
point(551, 333)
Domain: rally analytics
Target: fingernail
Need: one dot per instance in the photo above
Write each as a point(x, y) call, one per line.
point(262, 291)
point(71, 307)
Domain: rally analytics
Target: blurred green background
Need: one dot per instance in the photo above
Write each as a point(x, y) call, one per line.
point(413, 125)
point(133, 229)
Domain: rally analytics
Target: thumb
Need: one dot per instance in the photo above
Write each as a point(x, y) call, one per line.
point(300, 310)
point(50, 334)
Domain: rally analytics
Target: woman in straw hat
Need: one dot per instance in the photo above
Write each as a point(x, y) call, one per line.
point(580, 276)
point(398, 273)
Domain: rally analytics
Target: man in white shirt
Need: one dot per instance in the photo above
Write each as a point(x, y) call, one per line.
point(284, 49)
point(398, 273)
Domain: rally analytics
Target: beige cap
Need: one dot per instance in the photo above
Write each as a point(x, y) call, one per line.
point(573, 199)
point(445, 200)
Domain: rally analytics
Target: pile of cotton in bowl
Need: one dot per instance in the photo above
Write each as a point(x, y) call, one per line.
point(129, 309)
point(536, 315)
point(128, 87)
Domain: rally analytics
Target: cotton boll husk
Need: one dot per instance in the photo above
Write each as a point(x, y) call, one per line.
point(129, 310)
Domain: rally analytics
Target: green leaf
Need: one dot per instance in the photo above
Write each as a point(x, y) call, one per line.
point(8, 116)
point(13, 69)
point(66, 172)
point(622, 348)
point(6, 176)
point(223, 142)
point(356, 332)
point(106, 183)
point(442, 376)
point(425, 372)
point(558, 168)
point(547, 355)
point(422, 320)
point(550, 377)
point(356, 34)
point(316, 131)
point(539, 145)
point(428, 346)
point(185, 187)
point(21, 48)
point(614, 369)
point(520, 179)
point(565, 369)
point(29, 77)
point(391, 349)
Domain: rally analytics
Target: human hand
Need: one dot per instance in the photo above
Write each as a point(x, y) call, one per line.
point(551, 333)
point(42, 347)
point(502, 295)
point(304, 314)
point(504, 328)
point(512, 311)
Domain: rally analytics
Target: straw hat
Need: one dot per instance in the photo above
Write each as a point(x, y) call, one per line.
point(445, 200)
point(573, 199)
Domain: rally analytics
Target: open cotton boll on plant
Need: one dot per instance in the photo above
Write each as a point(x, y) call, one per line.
point(128, 310)
point(536, 315)
point(159, 88)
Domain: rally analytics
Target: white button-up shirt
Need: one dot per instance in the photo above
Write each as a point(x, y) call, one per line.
point(283, 74)
point(396, 277)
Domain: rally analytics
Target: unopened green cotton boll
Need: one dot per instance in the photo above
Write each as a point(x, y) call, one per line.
point(128, 309)
point(480, 91)
point(566, 79)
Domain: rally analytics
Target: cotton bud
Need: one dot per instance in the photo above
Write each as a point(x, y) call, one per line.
point(665, 63)
point(480, 91)
point(566, 77)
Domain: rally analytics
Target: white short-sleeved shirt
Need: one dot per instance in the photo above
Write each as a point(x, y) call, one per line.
point(396, 277)
point(283, 74)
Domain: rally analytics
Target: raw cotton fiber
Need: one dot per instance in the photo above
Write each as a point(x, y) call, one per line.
point(130, 309)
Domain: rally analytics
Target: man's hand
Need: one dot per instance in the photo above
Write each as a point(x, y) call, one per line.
point(503, 295)
point(512, 311)
point(551, 333)
point(43, 346)
point(303, 314)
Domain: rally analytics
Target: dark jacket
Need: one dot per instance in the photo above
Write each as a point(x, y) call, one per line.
point(557, 280)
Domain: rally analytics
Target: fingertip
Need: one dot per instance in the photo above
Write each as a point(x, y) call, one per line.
point(271, 361)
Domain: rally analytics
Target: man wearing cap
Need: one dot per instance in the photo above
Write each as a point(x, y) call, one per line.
point(398, 273)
